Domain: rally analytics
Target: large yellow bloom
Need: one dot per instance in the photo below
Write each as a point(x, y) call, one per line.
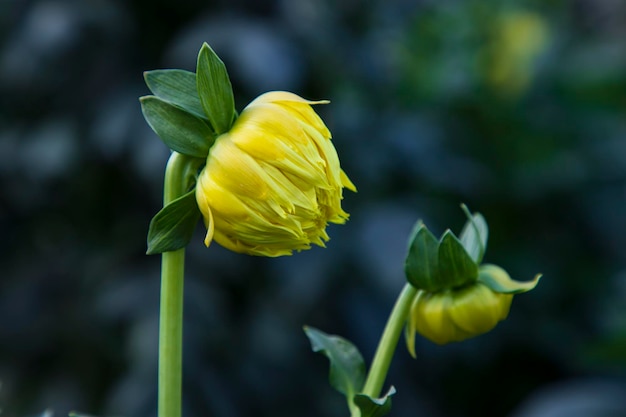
point(273, 182)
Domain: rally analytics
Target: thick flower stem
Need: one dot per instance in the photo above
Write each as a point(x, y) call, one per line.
point(171, 333)
point(171, 310)
point(388, 342)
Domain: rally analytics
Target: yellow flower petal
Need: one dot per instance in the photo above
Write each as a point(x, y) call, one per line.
point(273, 182)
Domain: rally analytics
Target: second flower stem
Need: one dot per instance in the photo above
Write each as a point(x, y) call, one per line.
point(388, 342)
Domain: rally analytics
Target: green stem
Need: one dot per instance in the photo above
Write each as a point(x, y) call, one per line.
point(388, 341)
point(171, 311)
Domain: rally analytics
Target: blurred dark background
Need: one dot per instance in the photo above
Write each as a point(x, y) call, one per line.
point(517, 108)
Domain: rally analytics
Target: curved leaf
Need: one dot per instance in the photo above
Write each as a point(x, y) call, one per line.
point(499, 280)
point(172, 227)
point(177, 87)
point(181, 131)
point(347, 368)
point(374, 407)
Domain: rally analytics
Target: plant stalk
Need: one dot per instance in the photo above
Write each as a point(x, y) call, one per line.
point(171, 309)
point(388, 342)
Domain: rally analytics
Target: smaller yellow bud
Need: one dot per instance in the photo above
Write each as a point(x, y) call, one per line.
point(456, 314)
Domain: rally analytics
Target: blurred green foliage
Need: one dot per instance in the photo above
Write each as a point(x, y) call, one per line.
point(513, 107)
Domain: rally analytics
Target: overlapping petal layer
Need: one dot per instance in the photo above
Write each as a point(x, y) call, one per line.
point(273, 182)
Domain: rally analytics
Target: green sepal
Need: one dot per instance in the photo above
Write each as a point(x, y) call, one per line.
point(450, 262)
point(347, 367)
point(177, 87)
point(374, 407)
point(180, 130)
point(456, 268)
point(421, 265)
point(215, 90)
point(434, 265)
point(499, 280)
point(474, 235)
point(172, 227)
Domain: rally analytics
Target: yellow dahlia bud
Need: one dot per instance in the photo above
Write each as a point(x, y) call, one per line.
point(457, 298)
point(273, 182)
point(456, 314)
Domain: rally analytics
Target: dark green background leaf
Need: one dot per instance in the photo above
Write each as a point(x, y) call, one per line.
point(177, 87)
point(215, 90)
point(172, 227)
point(181, 131)
point(374, 407)
point(347, 368)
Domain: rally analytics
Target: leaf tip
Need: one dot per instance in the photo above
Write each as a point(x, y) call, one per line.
point(205, 48)
point(447, 234)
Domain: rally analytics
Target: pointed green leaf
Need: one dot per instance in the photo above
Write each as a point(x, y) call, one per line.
point(474, 235)
point(419, 225)
point(215, 90)
point(374, 407)
point(177, 87)
point(181, 131)
point(347, 368)
point(420, 266)
point(456, 268)
point(499, 280)
point(172, 227)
